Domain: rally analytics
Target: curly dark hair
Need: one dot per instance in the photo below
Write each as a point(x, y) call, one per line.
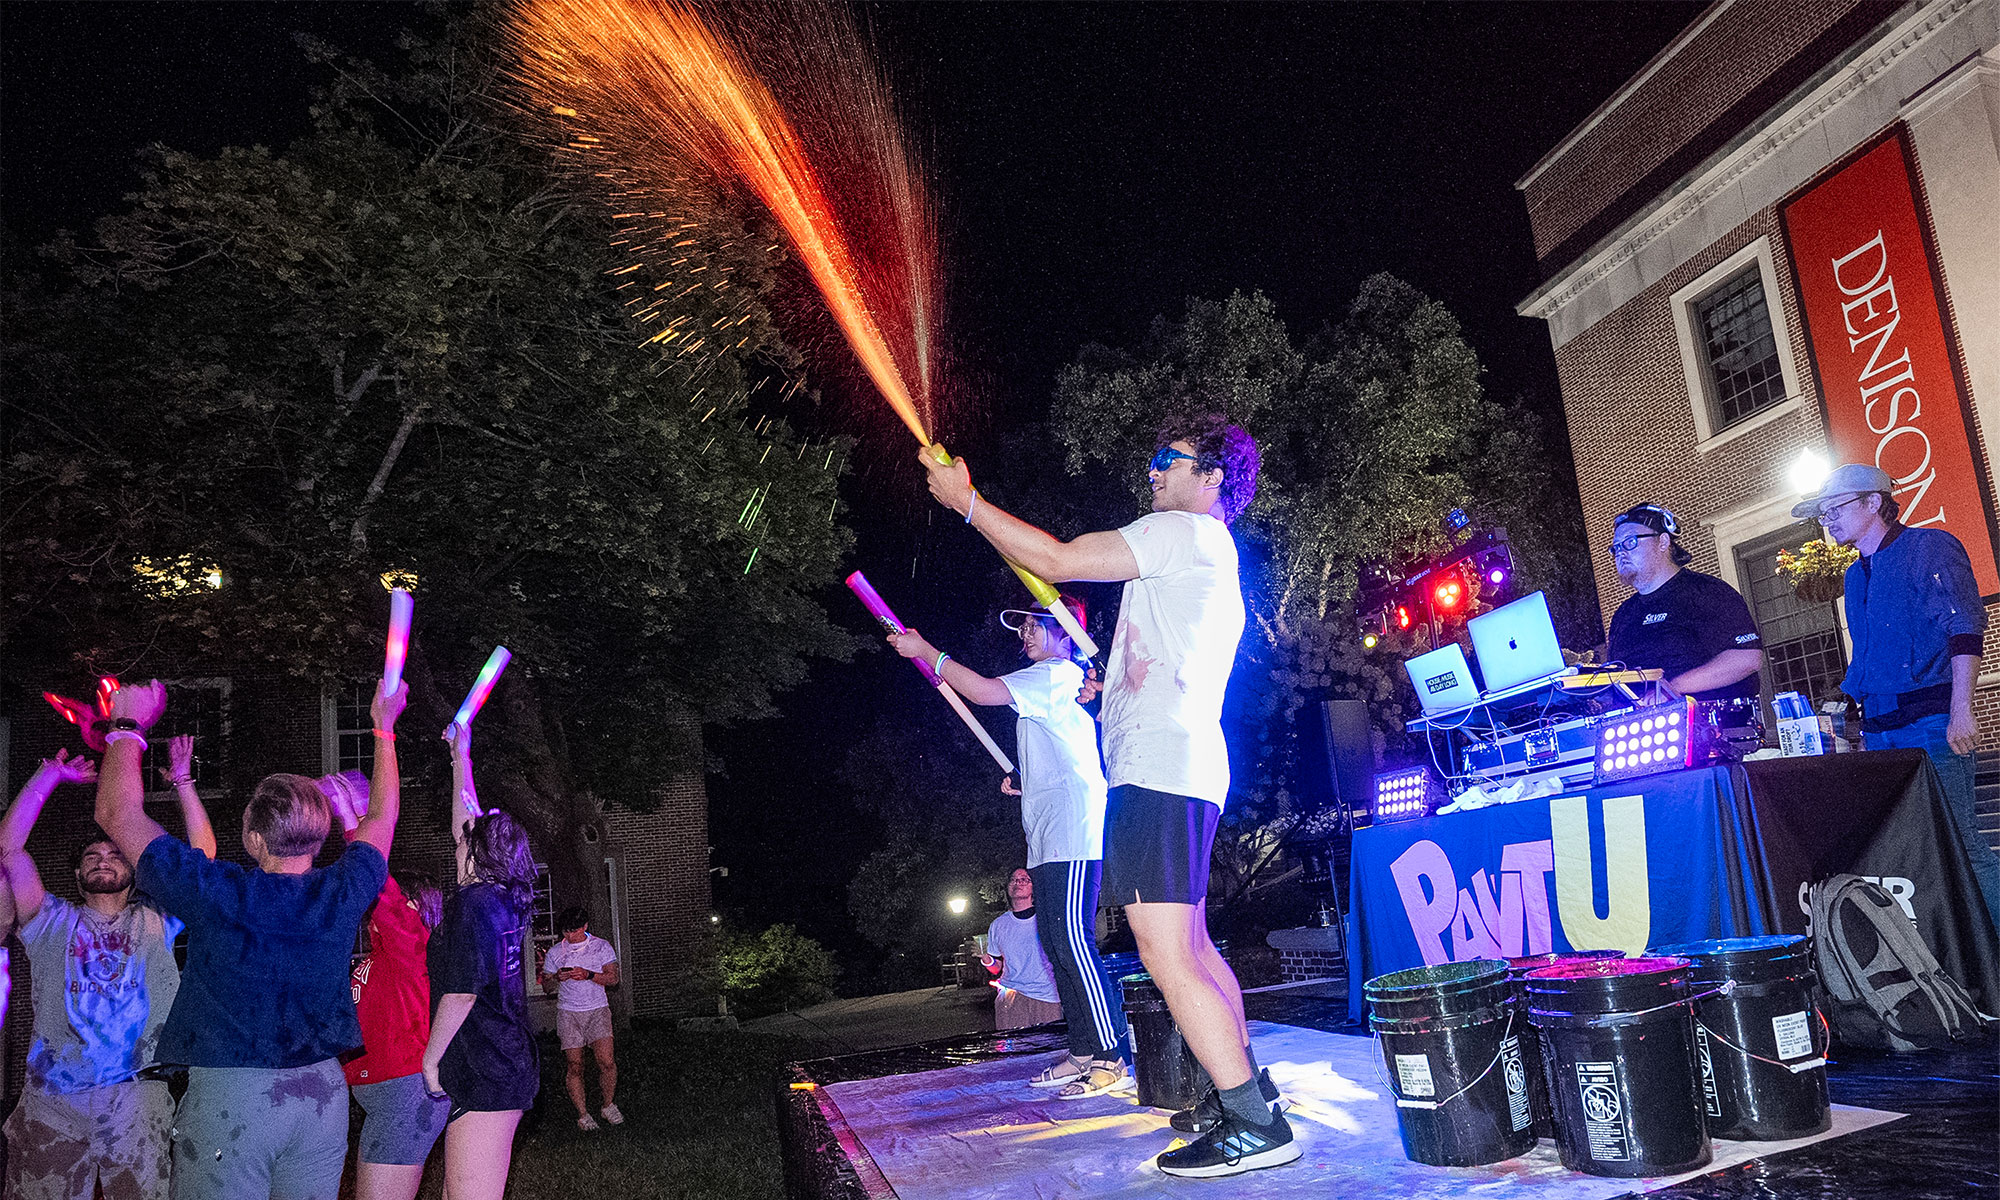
point(1220, 446)
point(500, 854)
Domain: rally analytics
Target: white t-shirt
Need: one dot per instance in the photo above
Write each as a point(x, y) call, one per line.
point(1012, 938)
point(1178, 626)
point(1062, 783)
point(593, 953)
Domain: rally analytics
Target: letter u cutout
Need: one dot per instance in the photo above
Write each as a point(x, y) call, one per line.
point(1628, 920)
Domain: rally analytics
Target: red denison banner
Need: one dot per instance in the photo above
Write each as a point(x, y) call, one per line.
point(1882, 349)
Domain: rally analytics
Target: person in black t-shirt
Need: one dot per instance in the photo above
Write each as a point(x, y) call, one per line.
point(1693, 626)
point(482, 1049)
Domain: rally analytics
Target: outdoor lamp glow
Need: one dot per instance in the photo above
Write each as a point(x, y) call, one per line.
point(957, 905)
point(1808, 472)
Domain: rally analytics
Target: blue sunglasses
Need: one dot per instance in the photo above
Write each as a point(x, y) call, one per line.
point(1164, 457)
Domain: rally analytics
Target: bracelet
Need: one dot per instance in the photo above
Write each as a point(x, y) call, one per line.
point(384, 734)
point(181, 781)
point(939, 664)
point(970, 507)
point(110, 724)
point(119, 735)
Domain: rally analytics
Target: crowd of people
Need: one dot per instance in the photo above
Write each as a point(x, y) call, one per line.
point(280, 1012)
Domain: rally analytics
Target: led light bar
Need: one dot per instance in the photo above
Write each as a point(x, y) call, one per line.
point(1405, 795)
point(1651, 739)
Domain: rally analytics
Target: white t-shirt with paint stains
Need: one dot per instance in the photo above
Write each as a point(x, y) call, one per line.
point(1178, 626)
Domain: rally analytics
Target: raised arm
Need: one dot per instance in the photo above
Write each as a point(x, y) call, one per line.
point(385, 785)
point(25, 892)
point(121, 789)
point(464, 796)
point(964, 680)
point(1101, 557)
point(179, 774)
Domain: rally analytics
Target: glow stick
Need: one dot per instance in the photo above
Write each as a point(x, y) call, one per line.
point(872, 601)
point(1041, 589)
point(398, 649)
point(482, 687)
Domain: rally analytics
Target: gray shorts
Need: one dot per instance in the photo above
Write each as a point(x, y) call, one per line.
point(259, 1131)
point(580, 1029)
point(401, 1120)
point(64, 1145)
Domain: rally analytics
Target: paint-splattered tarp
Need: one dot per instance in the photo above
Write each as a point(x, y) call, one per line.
point(978, 1132)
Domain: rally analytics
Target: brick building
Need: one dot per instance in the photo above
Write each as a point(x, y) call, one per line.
point(249, 724)
point(1685, 290)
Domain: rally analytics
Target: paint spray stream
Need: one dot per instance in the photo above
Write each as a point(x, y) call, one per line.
point(659, 82)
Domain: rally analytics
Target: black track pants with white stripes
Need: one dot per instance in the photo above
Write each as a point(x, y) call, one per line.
point(1066, 925)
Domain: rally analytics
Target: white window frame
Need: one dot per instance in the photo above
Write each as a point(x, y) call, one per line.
point(1694, 362)
point(329, 732)
point(1749, 522)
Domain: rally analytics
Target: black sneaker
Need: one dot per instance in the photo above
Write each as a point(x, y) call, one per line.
point(1233, 1147)
point(1208, 1110)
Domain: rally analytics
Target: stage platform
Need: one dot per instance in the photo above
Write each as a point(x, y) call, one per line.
point(954, 1118)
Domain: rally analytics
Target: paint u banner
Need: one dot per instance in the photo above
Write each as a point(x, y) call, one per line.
point(1681, 857)
point(1882, 345)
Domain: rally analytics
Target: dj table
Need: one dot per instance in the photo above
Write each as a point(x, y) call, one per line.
point(1724, 851)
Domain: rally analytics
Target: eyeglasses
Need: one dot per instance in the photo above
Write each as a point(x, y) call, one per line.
point(1164, 457)
point(1626, 545)
point(1826, 514)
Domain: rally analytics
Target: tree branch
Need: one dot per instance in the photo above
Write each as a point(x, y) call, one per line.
point(357, 537)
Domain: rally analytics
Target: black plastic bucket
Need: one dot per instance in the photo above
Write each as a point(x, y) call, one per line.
point(1162, 1065)
point(1762, 1045)
point(1531, 1046)
point(1451, 1043)
point(1618, 1036)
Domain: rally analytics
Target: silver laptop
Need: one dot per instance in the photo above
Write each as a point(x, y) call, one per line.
point(1516, 643)
point(1443, 680)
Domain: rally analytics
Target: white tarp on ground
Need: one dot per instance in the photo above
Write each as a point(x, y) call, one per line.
point(969, 1133)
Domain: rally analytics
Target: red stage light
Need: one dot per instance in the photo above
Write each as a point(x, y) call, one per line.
point(1450, 593)
point(1402, 616)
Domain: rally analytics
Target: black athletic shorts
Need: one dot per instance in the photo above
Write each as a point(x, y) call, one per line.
point(1156, 846)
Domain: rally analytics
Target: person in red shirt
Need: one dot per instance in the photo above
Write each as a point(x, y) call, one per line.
point(392, 999)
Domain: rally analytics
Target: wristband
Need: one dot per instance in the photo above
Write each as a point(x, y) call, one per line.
point(384, 734)
point(119, 735)
point(115, 724)
point(939, 664)
point(971, 506)
point(181, 781)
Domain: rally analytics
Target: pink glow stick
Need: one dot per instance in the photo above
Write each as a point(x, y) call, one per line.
point(398, 649)
point(482, 687)
point(872, 601)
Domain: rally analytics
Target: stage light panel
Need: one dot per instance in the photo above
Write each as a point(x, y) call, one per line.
point(1650, 740)
point(1406, 794)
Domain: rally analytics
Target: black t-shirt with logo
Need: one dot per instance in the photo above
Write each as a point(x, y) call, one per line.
point(1682, 624)
point(493, 1064)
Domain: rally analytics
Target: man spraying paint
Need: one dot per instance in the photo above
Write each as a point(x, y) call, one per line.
point(1168, 768)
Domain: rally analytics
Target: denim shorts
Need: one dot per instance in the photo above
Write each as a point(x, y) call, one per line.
point(402, 1120)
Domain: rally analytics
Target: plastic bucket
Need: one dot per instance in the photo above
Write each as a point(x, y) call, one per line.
point(1451, 1043)
point(1531, 1046)
point(1762, 1045)
point(1162, 1065)
point(1618, 1036)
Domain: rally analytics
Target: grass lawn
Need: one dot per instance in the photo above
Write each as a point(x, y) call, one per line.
point(700, 1122)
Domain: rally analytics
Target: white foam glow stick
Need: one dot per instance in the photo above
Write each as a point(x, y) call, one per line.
point(397, 651)
point(482, 687)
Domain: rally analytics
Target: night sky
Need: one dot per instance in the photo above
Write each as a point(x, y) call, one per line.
point(1097, 164)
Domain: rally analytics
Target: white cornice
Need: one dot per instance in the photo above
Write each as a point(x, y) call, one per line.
point(1842, 81)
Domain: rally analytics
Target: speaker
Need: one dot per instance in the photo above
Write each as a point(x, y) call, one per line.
point(1350, 754)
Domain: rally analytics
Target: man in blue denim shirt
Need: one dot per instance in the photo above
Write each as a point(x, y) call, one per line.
point(1917, 622)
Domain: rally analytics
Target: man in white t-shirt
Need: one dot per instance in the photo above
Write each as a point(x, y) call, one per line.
point(1167, 765)
point(1026, 985)
point(578, 969)
point(1062, 811)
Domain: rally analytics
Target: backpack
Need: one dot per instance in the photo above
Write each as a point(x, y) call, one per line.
point(1879, 984)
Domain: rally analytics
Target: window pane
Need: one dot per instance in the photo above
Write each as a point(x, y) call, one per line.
point(1802, 647)
point(1743, 371)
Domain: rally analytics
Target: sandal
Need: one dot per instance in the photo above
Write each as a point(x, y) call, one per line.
point(1102, 1077)
point(1061, 1072)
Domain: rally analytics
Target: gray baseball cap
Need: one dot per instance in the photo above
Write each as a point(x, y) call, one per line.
point(1846, 479)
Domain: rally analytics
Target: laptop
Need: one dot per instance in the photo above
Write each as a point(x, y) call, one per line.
point(1516, 643)
point(1443, 680)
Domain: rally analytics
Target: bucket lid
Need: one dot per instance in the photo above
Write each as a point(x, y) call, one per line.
point(1777, 945)
point(1442, 978)
point(1534, 962)
point(1606, 986)
point(1607, 968)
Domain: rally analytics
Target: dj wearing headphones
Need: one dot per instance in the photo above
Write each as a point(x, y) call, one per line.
point(1693, 626)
